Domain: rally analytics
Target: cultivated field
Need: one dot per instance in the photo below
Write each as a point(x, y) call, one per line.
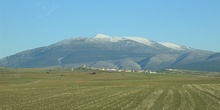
point(78, 90)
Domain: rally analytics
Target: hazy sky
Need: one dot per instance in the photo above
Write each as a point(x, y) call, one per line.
point(27, 24)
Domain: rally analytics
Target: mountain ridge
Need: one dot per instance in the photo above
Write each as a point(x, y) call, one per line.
point(115, 52)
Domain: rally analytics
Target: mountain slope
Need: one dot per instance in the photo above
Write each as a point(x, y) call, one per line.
point(113, 52)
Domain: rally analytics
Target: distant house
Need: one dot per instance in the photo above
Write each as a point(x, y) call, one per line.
point(169, 69)
point(139, 71)
point(83, 66)
point(120, 70)
point(152, 72)
point(101, 69)
point(127, 70)
point(111, 69)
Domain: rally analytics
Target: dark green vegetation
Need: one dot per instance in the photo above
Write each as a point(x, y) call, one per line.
point(65, 89)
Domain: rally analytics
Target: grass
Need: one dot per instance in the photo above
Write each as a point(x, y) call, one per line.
point(48, 88)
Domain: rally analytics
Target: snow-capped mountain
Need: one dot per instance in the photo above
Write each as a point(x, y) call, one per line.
point(172, 46)
point(142, 41)
point(176, 47)
point(114, 52)
point(105, 38)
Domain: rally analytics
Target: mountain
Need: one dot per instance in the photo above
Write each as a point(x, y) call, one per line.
point(134, 53)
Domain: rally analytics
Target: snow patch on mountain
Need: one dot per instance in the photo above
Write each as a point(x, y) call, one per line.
point(105, 38)
point(172, 46)
point(142, 40)
point(101, 36)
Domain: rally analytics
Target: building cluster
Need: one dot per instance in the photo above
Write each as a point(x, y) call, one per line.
point(117, 70)
point(170, 69)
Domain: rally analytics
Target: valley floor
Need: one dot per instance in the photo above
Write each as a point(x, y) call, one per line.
point(79, 90)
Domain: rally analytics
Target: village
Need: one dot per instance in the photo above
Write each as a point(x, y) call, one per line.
point(116, 70)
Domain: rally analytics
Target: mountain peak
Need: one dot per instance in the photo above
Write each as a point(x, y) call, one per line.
point(100, 36)
point(105, 38)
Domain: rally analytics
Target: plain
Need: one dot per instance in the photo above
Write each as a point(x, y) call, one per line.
point(55, 88)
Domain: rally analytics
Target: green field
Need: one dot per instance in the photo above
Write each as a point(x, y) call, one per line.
point(63, 89)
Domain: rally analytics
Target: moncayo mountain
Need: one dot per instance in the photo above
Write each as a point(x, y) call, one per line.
point(104, 51)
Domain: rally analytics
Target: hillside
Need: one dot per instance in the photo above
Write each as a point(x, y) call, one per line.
point(115, 52)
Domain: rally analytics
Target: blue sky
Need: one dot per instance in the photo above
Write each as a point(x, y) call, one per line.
point(27, 24)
